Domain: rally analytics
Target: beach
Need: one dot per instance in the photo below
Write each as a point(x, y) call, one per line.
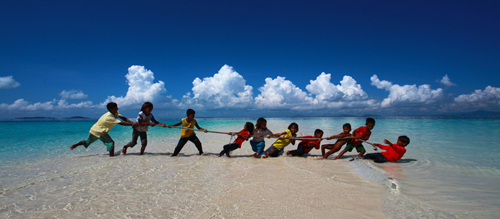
point(42, 178)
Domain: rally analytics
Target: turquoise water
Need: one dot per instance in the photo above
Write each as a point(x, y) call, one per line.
point(451, 167)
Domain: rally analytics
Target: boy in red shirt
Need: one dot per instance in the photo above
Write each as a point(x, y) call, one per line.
point(363, 133)
point(393, 152)
point(307, 145)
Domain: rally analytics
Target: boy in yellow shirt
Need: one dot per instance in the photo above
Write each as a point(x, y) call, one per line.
point(101, 128)
point(188, 135)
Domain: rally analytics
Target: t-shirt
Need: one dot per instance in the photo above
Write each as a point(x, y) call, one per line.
point(142, 117)
point(282, 143)
point(239, 140)
point(361, 131)
point(187, 133)
point(309, 144)
point(260, 134)
point(105, 124)
point(393, 152)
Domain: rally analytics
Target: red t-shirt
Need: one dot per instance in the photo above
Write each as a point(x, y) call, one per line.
point(309, 144)
point(239, 140)
point(393, 152)
point(361, 131)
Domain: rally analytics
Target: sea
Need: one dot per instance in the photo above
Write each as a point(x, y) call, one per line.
point(451, 168)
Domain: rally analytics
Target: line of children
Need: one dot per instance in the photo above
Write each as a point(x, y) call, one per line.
point(243, 135)
point(145, 119)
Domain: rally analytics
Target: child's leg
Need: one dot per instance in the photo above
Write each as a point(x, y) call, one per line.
point(197, 143)
point(110, 144)
point(131, 144)
point(260, 147)
point(181, 144)
point(361, 150)
point(228, 148)
point(91, 139)
point(341, 153)
point(335, 148)
point(325, 146)
point(144, 141)
point(299, 151)
point(376, 157)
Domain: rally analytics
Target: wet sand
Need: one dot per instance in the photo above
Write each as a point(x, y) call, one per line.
point(156, 185)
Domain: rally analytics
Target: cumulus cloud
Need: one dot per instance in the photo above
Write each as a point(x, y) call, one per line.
point(406, 94)
point(489, 94)
point(446, 81)
point(142, 88)
point(8, 82)
point(72, 94)
point(226, 89)
point(281, 93)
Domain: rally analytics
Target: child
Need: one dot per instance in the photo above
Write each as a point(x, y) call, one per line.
point(307, 145)
point(336, 147)
point(257, 142)
point(277, 148)
point(188, 135)
point(393, 152)
point(243, 135)
point(362, 132)
point(140, 128)
point(101, 128)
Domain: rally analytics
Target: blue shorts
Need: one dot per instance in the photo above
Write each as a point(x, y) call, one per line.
point(258, 147)
point(106, 139)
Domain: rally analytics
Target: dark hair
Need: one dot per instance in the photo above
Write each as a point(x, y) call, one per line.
point(317, 131)
point(249, 127)
point(348, 125)
point(404, 139)
point(146, 105)
point(190, 112)
point(293, 124)
point(370, 120)
point(259, 123)
point(111, 105)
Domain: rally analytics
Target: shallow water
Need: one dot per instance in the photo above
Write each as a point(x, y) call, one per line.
point(450, 170)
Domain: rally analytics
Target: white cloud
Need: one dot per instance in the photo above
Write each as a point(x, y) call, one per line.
point(22, 104)
point(489, 94)
point(406, 94)
point(446, 81)
point(345, 95)
point(8, 82)
point(142, 88)
point(281, 93)
point(226, 89)
point(72, 94)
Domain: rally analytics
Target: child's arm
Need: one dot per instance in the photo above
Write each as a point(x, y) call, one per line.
point(126, 123)
point(175, 125)
point(125, 119)
point(197, 126)
point(155, 122)
point(341, 135)
point(276, 135)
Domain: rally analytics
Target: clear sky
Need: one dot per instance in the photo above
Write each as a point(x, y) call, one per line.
point(249, 58)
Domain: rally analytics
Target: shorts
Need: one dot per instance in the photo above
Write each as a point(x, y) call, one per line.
point(351, 146)
point(106, 139)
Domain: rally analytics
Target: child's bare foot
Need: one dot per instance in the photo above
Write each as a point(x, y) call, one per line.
point(124, 150)
point(73, 146)
point(228, 155)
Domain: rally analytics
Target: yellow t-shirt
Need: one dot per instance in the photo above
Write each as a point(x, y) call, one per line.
point(105, 124)
point(187, 133)
point(282, 143)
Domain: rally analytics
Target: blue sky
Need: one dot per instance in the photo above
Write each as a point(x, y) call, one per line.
point(249, 58)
